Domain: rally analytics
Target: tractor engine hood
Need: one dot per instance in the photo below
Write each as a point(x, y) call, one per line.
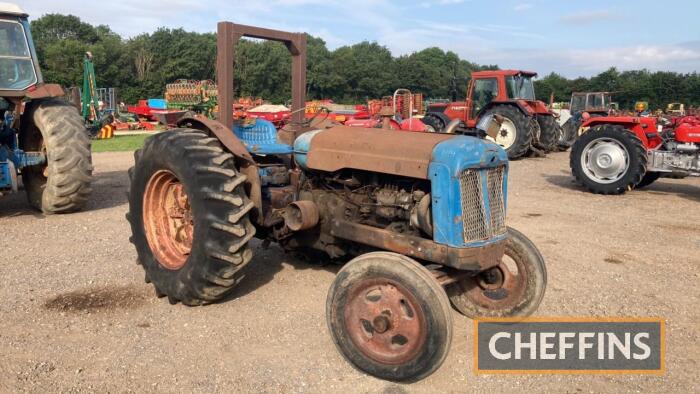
point(390, 151)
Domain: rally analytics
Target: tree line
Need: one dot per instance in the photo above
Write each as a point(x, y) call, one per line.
point(140, 67)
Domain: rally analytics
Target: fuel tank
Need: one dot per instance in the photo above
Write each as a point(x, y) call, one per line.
point(687, 132)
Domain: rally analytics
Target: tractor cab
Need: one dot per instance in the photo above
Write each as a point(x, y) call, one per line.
point(18, 67)
point(500, 86)
point(594, 103)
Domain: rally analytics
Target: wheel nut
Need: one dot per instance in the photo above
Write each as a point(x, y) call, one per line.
point(380, 324)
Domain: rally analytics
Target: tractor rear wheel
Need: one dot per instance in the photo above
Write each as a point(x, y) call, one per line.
point(569, 132)
point(513, 288)
point(61, 185)
point(189, 216)
point(389, 317)
point(648, 179)
point(549, 133)
point(515, 135)
point(608, 159)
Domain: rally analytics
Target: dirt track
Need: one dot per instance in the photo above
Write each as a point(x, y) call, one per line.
point(76, 314)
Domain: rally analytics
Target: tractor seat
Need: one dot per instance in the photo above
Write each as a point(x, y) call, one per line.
point(260, 137)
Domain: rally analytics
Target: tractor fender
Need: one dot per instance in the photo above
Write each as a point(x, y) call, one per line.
point(644, 128)
point(45, 90)
point(223, 134)
point(228, 139)
point(517, 104)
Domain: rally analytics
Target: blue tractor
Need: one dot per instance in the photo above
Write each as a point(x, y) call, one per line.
point(42, 137)
point(417, 219)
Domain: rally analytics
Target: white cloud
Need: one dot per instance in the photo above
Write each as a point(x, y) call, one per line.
point(522, 7)
point(588, 17)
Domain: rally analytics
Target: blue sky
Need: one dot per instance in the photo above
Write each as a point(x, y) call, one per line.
point(573, 38)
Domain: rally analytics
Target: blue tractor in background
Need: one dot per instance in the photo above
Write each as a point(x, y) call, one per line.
point(417, 219)
point(43, 138)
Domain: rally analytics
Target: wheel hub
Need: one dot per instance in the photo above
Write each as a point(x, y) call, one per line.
point(385, 321)
point(506, 135)
point(605, 160)
point(168, 220)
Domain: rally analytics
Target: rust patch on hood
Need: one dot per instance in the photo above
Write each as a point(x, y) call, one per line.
point(385, 151)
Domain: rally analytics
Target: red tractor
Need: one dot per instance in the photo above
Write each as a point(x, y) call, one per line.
point(619, 153)
point(511, 94)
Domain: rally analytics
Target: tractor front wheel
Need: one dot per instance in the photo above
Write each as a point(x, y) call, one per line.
point(608, 159)
point(61, 185)
point(189, 216)
point(389, 317)
point(513, 288)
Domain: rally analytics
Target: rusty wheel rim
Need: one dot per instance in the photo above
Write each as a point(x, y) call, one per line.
point(385, 321)
point(167, 220)
point(499, 288)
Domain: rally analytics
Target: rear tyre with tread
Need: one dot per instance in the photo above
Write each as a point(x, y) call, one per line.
point(549, 132)
point(648, 179)
point(62, 185)
point(569, 132)
point(434, 121)
point(608, 159)
point(215, 220)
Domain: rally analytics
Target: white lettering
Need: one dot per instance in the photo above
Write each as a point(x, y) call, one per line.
point(492, 346)
point(563, 344)
point(638, 342)
point(545, 345)
point(583, 344)
point(614, 342)
point(532, 345)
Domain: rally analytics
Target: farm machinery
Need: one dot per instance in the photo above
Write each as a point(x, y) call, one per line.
point(197, 96)
point(398, 116)
point(419, 216)
point(42, 137)
point(526, 123)
point(619, 153)
point(584, 104)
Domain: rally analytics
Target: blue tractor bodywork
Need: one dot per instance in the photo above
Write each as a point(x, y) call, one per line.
point(452, 163)
point(459, 167)
point(11, 157)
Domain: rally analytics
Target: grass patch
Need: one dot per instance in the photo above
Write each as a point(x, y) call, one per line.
point(120, 143)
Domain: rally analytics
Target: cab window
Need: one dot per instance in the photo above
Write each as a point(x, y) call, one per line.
point(485, 91)
point(16, 66)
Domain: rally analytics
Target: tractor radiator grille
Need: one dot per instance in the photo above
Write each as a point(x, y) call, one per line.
point(483, 213)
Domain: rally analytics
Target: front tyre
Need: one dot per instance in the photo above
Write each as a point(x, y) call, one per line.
point(608, 159)
point(62, 185)
point(513, 288)
point(189, 216)
point(389, 317)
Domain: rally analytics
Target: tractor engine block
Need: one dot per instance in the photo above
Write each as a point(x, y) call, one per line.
point(675, 157)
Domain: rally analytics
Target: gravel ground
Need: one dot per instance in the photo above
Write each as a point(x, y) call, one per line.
point(76, 315)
